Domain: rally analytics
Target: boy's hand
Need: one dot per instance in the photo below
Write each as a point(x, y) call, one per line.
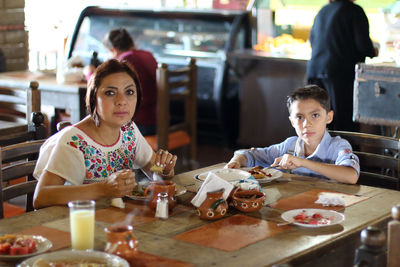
point(236, 162)
point(232, 165)
point(287, 161)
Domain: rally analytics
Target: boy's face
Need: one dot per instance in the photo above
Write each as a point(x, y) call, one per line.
point(309, 119)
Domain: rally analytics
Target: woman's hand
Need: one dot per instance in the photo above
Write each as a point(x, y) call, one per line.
point(120, 183)
point(166, 161)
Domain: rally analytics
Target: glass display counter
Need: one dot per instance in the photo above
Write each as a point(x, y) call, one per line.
point(173, 36)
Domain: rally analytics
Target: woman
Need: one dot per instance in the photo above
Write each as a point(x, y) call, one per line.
point(96, 156)
point(339, 39)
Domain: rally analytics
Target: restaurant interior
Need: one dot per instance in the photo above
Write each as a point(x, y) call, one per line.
point(224, 72)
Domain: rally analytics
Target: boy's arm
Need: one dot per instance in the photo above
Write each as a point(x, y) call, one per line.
point(339, 173)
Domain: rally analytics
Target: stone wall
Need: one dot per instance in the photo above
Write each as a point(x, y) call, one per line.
point(13, 36)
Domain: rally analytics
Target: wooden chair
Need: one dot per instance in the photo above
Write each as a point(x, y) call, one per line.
point(18, 161)
point(176, 85)
point(378, 156)
point(20, 109)
point(24, 132)
point(18, 104)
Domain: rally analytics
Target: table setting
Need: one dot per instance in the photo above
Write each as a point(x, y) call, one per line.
point(249, 226)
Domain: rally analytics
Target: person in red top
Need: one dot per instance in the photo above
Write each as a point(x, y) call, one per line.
point(122, 47)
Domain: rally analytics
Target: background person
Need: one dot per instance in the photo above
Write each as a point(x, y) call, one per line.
point(122, 47)
point(95, 157)
point(339, 39)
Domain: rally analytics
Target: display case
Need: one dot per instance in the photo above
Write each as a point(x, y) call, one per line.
point(173, 36)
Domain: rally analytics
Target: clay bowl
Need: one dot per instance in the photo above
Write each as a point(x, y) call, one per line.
point(248, 200)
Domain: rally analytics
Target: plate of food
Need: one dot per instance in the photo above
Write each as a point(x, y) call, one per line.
point(75, 258)
point(262, 174)
point(14, 247)
point(313, 218)
point(138, 192)
point(230, 175)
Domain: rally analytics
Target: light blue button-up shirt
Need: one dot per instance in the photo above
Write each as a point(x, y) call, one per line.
point(331, 150)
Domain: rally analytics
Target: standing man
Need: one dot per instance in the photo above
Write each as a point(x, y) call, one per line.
point(339, 40)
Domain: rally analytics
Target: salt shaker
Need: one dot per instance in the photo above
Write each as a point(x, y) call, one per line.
point(162, 206)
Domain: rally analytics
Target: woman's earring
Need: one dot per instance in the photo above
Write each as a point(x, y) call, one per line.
point(96, 117)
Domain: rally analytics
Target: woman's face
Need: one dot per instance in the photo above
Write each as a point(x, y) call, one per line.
point(116, 99)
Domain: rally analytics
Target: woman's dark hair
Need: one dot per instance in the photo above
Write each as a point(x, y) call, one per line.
point(310, 92)
point(109, 67)
point(119, 39)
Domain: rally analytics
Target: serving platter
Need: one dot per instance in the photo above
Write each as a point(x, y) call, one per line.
point(42, 245)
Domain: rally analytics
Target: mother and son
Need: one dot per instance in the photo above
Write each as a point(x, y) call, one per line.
point(95, 157)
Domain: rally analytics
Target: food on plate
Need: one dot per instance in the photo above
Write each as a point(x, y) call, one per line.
point(258, 172)
point(156, 168)
point(70, 262)
point(315, 218)
point(17, 244)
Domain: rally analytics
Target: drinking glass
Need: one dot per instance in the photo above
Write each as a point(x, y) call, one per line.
point(81, 218)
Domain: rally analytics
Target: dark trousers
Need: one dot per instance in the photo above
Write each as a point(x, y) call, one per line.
point(340, 91)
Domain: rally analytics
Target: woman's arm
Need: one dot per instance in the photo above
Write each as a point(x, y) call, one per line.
point(51, 190)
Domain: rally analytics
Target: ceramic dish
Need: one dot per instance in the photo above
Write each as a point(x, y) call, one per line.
point(329, 217)
point(230, 175)
point(78, 255)
point(42, 245)
point(179, 190)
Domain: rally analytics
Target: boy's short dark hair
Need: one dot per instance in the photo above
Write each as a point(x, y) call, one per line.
point(310, 92)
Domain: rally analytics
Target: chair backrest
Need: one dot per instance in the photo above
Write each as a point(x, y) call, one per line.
point(379, 162)
point(18, 161)
point(17, 104)
point(176, 85)
point(35, 130)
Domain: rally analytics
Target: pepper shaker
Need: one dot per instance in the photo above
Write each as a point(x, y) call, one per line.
point(162, 206)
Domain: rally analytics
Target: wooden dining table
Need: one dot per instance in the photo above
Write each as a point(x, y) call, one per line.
point(238, 239)
point(68, 95)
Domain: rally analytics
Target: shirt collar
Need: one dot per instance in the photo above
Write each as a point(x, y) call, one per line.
point(321, 150)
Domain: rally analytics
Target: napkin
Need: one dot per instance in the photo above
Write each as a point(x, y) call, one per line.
point(118, 202)
point(212, 183)
point(331, 199)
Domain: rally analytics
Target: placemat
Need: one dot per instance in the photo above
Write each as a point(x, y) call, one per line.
point(232, 233)
point(144, 259)
point(133, 213)
point(306, 200)
point(60, 239)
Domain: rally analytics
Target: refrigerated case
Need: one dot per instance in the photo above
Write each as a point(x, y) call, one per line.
point(173, 36)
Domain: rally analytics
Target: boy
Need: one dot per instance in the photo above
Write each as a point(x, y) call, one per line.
point(313, 152)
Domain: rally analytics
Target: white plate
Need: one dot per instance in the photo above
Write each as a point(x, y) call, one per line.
point(230, 175)
point(42, 245)
point(109, 259)
point(333, 216)
point(275, 174)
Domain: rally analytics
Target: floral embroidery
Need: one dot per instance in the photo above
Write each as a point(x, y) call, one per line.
point(101, 164)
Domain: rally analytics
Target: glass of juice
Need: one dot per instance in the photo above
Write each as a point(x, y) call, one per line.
point(81, 218)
